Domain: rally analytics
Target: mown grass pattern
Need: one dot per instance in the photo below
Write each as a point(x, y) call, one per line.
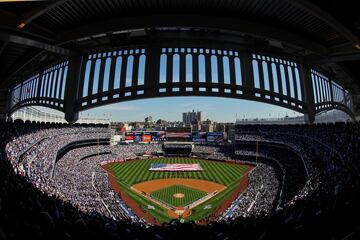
point(137, 171)
point(167, 195)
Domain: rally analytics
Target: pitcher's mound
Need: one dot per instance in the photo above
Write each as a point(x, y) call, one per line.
point(178, 195)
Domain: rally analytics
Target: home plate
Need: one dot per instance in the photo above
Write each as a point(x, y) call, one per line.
point(179, 212)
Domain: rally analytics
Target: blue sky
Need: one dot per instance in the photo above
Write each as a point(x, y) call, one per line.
point(171, 108)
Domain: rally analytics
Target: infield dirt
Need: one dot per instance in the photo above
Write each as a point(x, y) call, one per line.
point(202, 185)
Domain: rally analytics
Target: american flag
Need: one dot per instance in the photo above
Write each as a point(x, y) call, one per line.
point(175, 167)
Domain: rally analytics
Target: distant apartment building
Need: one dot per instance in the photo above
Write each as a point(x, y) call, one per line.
point(193, 117)
point(207, 126)
point(149, 119)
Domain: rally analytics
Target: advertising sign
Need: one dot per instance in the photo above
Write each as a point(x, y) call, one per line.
point(215, 137)
point(146, 138)
point(199, 136)
point(129, 137)
point(137, 137)
point(158, 136)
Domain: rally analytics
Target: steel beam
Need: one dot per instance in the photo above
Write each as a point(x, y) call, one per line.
point(247, 72)
point(40, 10)
point(305, 75)
point(73, 102)
point(9, 23)
point(72, 88)
point(191, 21)
point(152, 69)
point(34, 43)
point(325, 17)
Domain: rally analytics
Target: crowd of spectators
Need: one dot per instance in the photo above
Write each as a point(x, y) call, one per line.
point(329, 165)
point(81, 181)
point(259, 198)
point(36, 207)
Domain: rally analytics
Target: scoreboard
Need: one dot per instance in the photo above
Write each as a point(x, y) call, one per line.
point(144, 136)
point(160, 136)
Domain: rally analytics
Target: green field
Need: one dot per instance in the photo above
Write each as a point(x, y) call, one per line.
point(167, 195)
point(137, 171)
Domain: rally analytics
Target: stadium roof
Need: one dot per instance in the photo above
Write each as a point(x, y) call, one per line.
point(323, 32)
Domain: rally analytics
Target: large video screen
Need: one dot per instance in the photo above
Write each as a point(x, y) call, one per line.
point(145, 136)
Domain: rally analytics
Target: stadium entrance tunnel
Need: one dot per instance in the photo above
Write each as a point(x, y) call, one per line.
point(156, 70)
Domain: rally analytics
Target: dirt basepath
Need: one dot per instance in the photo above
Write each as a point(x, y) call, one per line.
point(202, 185)
point(227, 203)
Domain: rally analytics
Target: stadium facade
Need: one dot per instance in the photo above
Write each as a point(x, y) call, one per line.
point(290, 181)
point(302, 63)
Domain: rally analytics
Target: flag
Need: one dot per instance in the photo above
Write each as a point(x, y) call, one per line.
point(175, 167)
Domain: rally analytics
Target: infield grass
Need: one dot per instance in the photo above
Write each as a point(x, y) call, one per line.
point(136, 171)
point(168, 195)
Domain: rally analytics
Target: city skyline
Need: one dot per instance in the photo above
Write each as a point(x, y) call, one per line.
point(171, 108)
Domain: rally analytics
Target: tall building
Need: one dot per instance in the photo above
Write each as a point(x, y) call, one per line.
point(220, 127)
point(149, 119)
point(193, 117)
point(186, 118)
point(207, 126)
point(201, 116)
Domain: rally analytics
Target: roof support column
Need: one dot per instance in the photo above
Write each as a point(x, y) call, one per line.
point(71, 88)
point(305, 74)
point(247, 73)
point(152, 69)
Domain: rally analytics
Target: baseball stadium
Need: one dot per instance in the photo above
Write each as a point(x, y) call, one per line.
point(98, 140)
point(183, 191)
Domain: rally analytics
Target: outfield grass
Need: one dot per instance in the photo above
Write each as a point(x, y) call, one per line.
point(136, 171)
point(167, 195)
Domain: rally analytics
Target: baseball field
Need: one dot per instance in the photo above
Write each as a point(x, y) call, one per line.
point(161, 196)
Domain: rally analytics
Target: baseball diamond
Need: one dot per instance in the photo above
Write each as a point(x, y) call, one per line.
point(170, 120)
point(194, 190)
point(183, 195)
